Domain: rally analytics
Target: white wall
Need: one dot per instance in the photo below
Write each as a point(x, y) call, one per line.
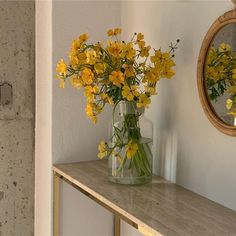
point(206, 158)
point(74, 137)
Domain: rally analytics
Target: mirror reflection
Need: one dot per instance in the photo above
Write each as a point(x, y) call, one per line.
point(220, 74)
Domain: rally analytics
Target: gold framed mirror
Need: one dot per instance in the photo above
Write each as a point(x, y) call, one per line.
point(216, 73)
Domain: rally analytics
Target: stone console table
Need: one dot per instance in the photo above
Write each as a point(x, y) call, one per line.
point(158, 208)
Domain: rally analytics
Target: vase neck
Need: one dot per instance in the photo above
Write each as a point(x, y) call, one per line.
point(126, 107)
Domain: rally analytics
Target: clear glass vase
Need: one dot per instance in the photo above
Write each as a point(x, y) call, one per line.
point(132, 134)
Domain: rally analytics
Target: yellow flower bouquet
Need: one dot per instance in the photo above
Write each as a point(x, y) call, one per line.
point(124, 73)
point(221, 75)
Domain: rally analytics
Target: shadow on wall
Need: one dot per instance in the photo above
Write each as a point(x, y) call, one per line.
point(168, 156)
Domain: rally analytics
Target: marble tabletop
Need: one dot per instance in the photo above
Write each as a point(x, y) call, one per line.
point(157, 208)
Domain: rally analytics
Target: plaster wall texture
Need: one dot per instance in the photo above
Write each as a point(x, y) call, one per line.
point(17, 119)
point(204, 159)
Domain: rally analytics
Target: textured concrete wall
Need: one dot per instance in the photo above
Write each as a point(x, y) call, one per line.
point(17, 20)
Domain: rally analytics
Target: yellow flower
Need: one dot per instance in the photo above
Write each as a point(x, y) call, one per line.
point(99, 68)
point(91, 57)
point(130, 92)
point(83, 37)
point(229, 104)
point(140, 41)
point(117, 78)
point(110, 32)
point(143, 101)
point(145, 51)
point(102, 148)
point(76, 45)
point(168, 73)
point(234, 74)
point(162, 58)
point(143, 66)
point(212, 54)
point(115, 49)
point(232, 90)
point(117, 31)
point(107, 99)
point(90, 111)
point(153, 75)
point(131, 149)
point(129, 71)
point(114, 32)
point(76, 82)
point(90, 92)
point(140, 37)
point(150, 90)
point(141, 44)
point(62, 83)
point(224, 47)
point(128, 51)
point(233, 113)
point(215, 73)
point(61, 67)
point(87, 76)
point(82, 57)
point(74, 61)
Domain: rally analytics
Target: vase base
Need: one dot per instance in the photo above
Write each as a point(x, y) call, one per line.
point(130, 181)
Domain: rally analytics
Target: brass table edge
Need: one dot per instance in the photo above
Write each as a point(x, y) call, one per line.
point(117, 211)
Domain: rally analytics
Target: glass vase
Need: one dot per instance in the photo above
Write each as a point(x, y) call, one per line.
point(132, 134)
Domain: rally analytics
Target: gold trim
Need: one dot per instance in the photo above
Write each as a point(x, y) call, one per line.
point(116, 225)
point(142, 229)
point(227, 18)
point(56, 204)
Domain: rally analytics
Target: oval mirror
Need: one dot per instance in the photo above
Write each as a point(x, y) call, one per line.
point(217, 73)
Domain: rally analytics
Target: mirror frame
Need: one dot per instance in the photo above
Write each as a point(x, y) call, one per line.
point(227, 18)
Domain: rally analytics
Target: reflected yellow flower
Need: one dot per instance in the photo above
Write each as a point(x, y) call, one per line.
point(234, 74)
point(229, 104)
point(232, 113)
point(224, 47)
